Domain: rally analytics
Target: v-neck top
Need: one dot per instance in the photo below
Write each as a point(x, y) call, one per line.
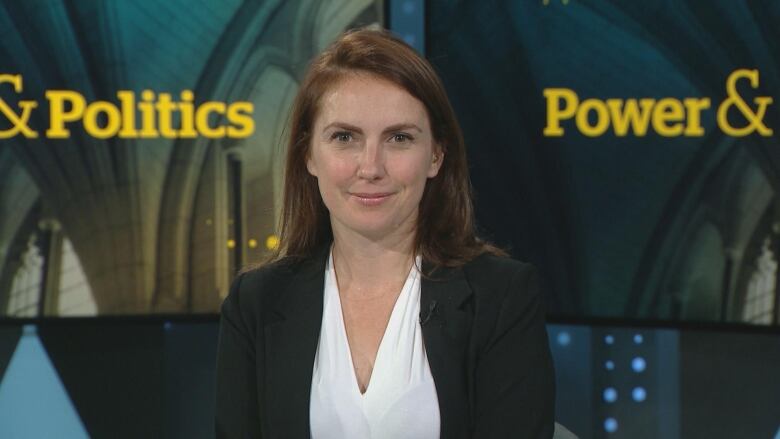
point(400, 400)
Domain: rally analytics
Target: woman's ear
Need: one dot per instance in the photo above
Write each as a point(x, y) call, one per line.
point(436, 161)
point(310, 166)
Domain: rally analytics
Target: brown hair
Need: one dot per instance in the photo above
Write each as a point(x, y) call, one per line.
point(445, 234)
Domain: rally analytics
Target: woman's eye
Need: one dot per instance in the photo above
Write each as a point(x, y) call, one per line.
point(341, 136)
point(401, 137)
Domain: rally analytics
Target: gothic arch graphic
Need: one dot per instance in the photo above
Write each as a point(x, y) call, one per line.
point(158, 225)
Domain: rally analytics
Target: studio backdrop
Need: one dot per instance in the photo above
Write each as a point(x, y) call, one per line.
point(628, 149)
point(141, 146)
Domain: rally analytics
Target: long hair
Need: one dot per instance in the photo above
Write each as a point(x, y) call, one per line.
point(445, 232)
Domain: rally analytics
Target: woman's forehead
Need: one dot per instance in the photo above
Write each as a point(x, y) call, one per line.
point(369, 100)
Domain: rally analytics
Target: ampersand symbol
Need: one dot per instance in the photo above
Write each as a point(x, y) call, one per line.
point(755, 119)
point(19, 121)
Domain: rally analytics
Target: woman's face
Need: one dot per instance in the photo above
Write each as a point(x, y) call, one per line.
point(372, 152)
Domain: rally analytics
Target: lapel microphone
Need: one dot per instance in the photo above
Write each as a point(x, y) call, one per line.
point(425, 315)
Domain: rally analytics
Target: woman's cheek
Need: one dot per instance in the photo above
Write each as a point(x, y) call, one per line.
point(341, 169)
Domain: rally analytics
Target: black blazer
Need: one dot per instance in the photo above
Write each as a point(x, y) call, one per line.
point(483, 329)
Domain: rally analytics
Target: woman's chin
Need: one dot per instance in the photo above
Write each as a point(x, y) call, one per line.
point(373, 230)
point(375, 225)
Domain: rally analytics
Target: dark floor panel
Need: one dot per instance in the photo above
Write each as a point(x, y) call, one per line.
point(9, 337)
point(114, 375)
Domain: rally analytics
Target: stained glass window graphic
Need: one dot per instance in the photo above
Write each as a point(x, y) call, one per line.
point(26, 288)
point(33, 401)
point(75, 298)
point(759, 302)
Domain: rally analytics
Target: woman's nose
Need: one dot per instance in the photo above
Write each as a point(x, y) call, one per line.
point(371, 166)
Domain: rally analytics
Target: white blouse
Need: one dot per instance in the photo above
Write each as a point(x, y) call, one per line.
point(400, 401)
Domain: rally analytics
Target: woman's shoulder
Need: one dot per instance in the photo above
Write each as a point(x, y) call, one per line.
point(506, 294)
point(254, 288)
point(491, 268)
point(495, 278)
point(266, 274)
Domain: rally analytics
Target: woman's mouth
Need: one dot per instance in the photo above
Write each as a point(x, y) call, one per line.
point(371, 199)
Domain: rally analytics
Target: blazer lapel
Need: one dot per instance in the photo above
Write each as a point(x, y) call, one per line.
point(291, 344)
point(445, 326)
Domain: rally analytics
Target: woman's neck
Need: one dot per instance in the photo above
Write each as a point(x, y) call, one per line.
point(366, 268)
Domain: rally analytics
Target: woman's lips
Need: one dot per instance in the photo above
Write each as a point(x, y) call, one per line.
point(371, 199)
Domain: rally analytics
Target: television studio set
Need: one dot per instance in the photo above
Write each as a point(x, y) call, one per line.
point(579, 198)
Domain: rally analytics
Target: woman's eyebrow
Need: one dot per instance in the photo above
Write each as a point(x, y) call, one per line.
point(391, 128)
point(343, 126)
point(402, 126)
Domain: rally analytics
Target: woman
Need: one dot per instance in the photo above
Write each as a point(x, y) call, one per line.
point(383, 316)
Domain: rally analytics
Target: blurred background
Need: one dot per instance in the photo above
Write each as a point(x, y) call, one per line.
point(659, 253)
